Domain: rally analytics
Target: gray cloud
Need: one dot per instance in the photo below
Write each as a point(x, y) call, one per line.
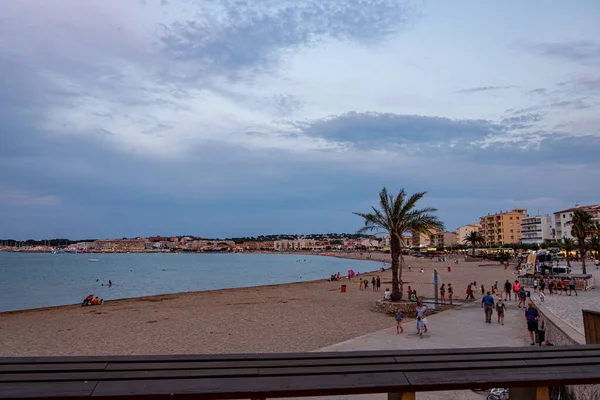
point(575, 104)
point(578, 51)
point(246, 35)
point(537, 91)
point(484, 89)
point(384, 129)
point(521, 121)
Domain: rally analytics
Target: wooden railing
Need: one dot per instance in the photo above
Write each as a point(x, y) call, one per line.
point(591, 325)
point(400, 373)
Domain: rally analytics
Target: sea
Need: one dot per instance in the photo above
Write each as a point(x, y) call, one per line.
point(34, 280)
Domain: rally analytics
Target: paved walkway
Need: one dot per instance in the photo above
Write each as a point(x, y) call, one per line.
point(462, 327)
point(568, 308)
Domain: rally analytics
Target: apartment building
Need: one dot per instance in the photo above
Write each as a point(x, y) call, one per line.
point(537, 229)
point(463, 231)
point(564, 217)
point(422, 239)
point(503, 227)
point(444, 239)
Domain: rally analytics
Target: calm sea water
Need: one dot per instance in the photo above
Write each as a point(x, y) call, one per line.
point(41, 280)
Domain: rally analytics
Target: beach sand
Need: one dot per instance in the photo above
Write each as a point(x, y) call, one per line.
point(280, 318)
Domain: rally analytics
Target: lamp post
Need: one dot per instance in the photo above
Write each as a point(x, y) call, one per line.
point(435, 285)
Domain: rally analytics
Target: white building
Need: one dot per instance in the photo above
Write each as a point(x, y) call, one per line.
point(536, 229)
point(564, 217)
point(463, 231)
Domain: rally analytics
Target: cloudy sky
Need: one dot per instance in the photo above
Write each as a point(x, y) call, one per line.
point(246, 117)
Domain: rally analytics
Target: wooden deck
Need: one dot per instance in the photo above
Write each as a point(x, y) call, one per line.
point(234, 376)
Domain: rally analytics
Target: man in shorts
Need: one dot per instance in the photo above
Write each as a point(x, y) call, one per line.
point(532, 316)
point(399, 317)
point(572, 286)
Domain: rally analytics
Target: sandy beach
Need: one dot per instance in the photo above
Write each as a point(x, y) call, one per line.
point(280, 318)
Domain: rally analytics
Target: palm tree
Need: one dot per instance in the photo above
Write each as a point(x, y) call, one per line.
point(582, 225)
point(398, 216)
point(568, 245)
point(595, 240)
point(474, 238)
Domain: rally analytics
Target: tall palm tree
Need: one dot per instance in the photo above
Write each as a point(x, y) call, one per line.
point(568, 245)
point(474, 238)
point(582, 225)
point(398, 216)
point(595, 240)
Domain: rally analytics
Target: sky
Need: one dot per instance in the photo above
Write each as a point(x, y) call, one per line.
point(246, 117)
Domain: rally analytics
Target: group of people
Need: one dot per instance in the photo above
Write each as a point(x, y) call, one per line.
point(450, 290)
point(421, 322)
point(532, 315)
point(559, 286)
point(375, 283)
point(90, 300)
point(335, 277)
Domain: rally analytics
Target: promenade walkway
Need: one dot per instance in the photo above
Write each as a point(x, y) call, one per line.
point(567, 309)
point(461, 327)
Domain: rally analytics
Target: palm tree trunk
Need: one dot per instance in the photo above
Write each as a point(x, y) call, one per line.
point(582, 253)
point(395, 250)
point(473, 252)
point(568, 260)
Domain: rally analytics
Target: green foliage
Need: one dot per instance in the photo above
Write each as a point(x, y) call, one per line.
point(398, 216)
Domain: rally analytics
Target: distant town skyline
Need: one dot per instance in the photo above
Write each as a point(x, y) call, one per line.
point(241, 118)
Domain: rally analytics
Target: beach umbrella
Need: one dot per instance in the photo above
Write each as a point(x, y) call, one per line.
point(351, 273)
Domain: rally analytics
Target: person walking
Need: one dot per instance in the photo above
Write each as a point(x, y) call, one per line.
point(361, 285)
point(487, 303)
point(516, 288)
point(450, 293)
point(522, 297)
point(399, 317)
point(443, 293)
point(532, 317)
point(422, 314)
point(507, 289)
point(500, 309)
point(379, 283)
point(535, 285)
point(374, 283)
point(572, 286)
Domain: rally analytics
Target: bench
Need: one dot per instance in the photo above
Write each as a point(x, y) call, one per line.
point(401, 373)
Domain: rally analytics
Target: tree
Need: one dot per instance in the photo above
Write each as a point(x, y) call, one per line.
point(568, 245)
point(582, 225)
point(473, 239)
point(595, 240)
point(397, 216)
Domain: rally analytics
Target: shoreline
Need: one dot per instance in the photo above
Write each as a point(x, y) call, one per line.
point(292, 317)
point(153, 296)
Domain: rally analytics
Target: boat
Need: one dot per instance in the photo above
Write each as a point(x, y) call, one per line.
point(93, 260)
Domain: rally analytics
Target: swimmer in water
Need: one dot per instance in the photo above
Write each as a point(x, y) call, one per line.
point(109, 283)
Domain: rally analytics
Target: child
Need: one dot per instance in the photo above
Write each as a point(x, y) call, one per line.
point(399, 318)
point(420, 327)
point(500, 308)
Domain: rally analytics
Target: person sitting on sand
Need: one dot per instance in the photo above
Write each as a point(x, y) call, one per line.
point(87, 301)
point(387, 295)
point(413, 296)
point(96, 301)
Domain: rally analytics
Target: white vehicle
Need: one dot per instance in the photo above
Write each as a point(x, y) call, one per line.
point(555, 269)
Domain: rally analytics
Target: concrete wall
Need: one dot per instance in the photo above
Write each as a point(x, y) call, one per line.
point(560, 334)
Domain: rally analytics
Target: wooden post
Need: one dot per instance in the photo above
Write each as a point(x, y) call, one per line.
point(542, 393)
point(591, 326)
point(402, 396)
